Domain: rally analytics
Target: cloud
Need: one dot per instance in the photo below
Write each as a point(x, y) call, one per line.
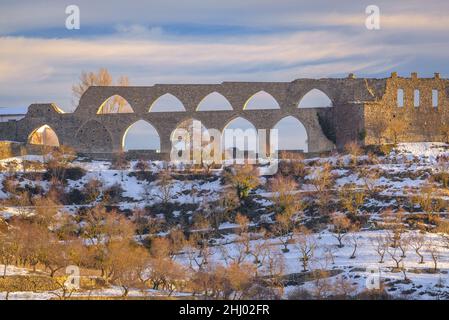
point(19, 16)
point(287, 40)
point(28, 62)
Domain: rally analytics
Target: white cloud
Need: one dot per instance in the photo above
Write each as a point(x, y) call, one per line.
point(28, 62)
point(321, 38)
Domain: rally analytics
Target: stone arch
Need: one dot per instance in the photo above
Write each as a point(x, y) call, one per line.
point(115, 104)
point(183, 135)
point(315, 98)
point(214, 101)
point(45, 136)
point(292, 134)
point(261, 100)
point(143, 136)
point(243, 137)
point(167, 103)
point(94, 137)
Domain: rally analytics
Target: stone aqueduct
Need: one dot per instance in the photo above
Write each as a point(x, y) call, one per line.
point(358, 106)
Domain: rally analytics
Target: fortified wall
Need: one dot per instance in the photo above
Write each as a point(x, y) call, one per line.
point(362, 110)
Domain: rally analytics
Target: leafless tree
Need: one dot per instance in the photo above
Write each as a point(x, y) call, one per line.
point(417, 242)
point(435, 254)
point(396, 255)
point(101, 78)
point(323, 181)
point(340, 227)
point(306, 244)
point(380, 243)
point(165, 186)
point(353, 240)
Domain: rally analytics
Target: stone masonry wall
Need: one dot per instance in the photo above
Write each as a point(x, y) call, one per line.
point(359, 106)
point(384, 118)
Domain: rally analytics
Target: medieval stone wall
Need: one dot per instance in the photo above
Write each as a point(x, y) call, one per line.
point(360, 107)
point(412, 123)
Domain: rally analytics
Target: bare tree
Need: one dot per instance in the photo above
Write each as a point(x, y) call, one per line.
point(283, 229)
point(394, 222)
point(370, 178)
point(380, 243)
point(417, 242)
point(404, 245)
point(125, 260)
point(443, 230)
point(340, 227)
point(323, 181)
point(429, 204)
point(8, 250)
point(100, 78)
point(285, 196)
point(353, 240)
point(165, 186)
point(306, 244)
point(435, 254)
point(351, 200)
point(343, 287)
point(396, 255)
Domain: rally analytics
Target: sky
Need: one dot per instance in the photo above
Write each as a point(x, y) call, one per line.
point(197, 41)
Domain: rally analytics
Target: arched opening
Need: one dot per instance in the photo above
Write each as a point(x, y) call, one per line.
point(167, 103)
point(315, 99)
point(44, 136)
point(239, 139)
point(261, 100)
point(187, 141)
point(214, 102)
point(141, 135)
point(292, 135)
point(115, 104)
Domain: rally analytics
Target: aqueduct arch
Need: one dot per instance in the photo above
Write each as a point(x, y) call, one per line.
point(45, 136)
point(354, 102)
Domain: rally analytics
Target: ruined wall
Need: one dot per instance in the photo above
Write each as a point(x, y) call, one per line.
point(384, 118)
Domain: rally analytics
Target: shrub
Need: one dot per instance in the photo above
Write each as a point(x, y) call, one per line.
point(72, 173)
point(113, 193)
point(75, 173)
point(441, 177)
point(292, 165)
point(75, 196)
point(27, 283)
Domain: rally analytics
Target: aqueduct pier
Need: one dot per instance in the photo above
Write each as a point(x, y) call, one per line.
point(359, 106)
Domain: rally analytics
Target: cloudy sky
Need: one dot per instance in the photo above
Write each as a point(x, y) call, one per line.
point(197, 41)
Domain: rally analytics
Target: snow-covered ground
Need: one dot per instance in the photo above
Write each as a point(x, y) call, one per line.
point(328, 256)
point(401, 174)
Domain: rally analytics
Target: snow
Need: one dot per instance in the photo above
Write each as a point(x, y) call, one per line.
point(423, 149)
point(402, 173)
